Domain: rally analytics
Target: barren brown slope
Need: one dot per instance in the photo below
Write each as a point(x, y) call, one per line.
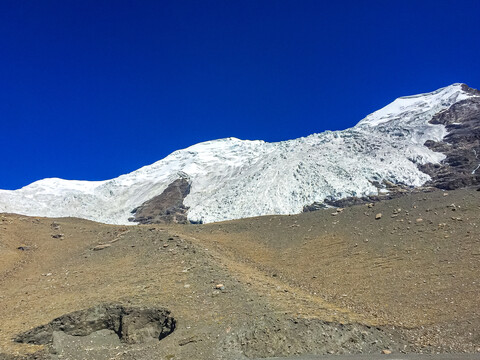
point(143, 266)
point(418, 265)
point(250, 315)
point(284, 279)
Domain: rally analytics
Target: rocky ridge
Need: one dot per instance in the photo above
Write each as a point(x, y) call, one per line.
point(167, 207)
point(461, 146)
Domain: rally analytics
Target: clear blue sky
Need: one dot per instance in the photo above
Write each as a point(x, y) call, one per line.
point(94, 89)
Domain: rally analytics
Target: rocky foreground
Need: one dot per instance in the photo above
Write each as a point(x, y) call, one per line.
point(397, 276)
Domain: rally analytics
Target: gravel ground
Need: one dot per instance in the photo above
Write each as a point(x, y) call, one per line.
point(314, 283)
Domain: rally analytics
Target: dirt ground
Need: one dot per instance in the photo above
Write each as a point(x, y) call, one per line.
point(325, 282)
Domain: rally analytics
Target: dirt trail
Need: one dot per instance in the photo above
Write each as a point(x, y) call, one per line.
point(289, 300)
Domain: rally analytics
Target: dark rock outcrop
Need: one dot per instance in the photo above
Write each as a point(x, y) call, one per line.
point(461, 146)
point(393, 193)
point(165, 208)
point(314, 207)
point(131, 324)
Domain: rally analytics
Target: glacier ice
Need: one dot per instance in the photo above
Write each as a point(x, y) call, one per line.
point(232, 178)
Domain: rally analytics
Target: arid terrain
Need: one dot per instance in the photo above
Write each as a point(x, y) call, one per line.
point(400, 275)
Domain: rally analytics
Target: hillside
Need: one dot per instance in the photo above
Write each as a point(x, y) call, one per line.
point(315, 283)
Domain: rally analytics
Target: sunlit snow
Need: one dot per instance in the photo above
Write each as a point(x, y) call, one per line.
point(232, 178)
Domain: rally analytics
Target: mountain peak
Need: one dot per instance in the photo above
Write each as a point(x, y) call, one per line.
point(231, 178)
point(427, 103)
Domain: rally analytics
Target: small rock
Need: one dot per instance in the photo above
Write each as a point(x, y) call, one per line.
point(220, 287)
point(101, 247)
point(419, 220)
point(340, 209)
point(165, 245)
point(192, 339)
point(370, 205)
point(386, 352)
point(378, 216)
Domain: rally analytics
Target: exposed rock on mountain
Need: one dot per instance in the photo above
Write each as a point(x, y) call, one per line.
point(461, 146)
point(165, 208)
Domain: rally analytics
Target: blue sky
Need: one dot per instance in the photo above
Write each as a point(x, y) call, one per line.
point(94, 89)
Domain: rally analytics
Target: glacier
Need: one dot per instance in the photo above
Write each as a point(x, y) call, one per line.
point(233, 179)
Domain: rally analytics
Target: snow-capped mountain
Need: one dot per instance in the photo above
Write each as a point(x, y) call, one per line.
point(232, 178)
